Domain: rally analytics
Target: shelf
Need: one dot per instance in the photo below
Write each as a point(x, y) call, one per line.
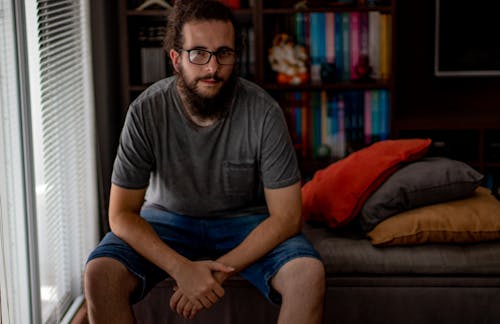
point(146, 13)
point(164, 13)
point(348, 85)
point(288, 11)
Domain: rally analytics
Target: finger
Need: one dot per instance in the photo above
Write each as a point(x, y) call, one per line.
point(186, 312)
point(216, 266)
point(194, 311)
point(174, 300)
point(205, 302)
point(181, 304)
point(218, 291)
point(212, 297)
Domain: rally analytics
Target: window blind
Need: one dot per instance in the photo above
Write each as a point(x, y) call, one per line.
point(14, 292)
point(63, 148)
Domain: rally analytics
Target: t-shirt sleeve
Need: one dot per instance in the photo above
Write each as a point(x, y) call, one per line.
point(134, 159)
point(279, 167)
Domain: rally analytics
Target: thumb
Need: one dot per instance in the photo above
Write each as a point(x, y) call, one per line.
point(216, 266)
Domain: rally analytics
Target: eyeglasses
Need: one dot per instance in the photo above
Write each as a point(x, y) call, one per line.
point(202, 57)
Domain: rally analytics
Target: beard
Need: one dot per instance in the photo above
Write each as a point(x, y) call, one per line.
point(203, 106)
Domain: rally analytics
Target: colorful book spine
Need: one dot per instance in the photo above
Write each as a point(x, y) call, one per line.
point(341, 122)
point(354, 32)
point(375, 104)
point(317, 44)
point(384, 46)
point(384, 114)
point(368, 116)
point(363, 33)
point(346, 66)
point(339, 43)
point(374, 42)
point(330, 37)
point(324, 118)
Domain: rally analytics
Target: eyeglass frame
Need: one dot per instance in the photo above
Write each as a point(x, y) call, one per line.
point(214, 53)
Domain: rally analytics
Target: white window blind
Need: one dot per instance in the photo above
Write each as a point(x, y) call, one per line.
point(14, 292)
point(63, 148)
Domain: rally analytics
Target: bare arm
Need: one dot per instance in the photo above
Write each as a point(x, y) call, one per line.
point(284, 221)
point(195, 278)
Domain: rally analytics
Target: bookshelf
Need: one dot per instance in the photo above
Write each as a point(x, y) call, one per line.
point(327, 119)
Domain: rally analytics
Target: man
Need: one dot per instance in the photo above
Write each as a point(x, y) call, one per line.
point(205, 185)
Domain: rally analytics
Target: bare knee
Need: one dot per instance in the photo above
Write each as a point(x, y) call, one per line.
point(301, 275)
point(107, 278)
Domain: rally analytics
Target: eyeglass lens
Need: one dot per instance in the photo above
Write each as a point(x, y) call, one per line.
point(199, 56)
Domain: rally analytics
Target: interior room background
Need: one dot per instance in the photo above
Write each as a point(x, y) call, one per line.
point(419, 97)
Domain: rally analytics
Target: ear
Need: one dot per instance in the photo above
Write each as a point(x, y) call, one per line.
point(175, 58)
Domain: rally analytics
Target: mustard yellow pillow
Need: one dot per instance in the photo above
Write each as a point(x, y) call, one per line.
point(460, 221)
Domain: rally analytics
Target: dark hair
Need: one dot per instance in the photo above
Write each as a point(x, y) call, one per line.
point(185, 11)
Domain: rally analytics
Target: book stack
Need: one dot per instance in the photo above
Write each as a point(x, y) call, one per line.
point(152, 56)
point(342, 38)
point(153, 64)
point(337, 123)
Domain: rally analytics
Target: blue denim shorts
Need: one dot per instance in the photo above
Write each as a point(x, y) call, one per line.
point(198, 239)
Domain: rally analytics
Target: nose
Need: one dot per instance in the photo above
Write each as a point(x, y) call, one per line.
point(212, 64)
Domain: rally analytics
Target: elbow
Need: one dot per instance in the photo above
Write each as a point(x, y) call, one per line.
point(115, 223)
point(297, 225)
point(294, 225)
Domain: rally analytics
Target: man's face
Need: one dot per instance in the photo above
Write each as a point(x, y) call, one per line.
point(206, 80)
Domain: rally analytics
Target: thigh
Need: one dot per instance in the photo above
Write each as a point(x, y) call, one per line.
point(262, 271)
point(148, 274)
point(172, 229)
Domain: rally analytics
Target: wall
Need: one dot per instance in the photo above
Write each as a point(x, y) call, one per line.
point(109, 106)
point(420, 95)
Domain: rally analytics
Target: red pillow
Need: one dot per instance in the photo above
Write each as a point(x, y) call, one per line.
point(336, 194)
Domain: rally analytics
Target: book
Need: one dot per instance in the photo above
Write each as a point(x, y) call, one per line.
point(354, 32)
point(317, 44)
point(375, 105)
point(374, 42)
point(330, 37)
point(384, 46)
point(363, 33)
point(368, 116)
point(346, 48)
point(153, 64)
point(384, 114)
point(339, 43)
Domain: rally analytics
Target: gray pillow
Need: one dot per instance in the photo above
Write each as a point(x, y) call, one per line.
point(424, 182)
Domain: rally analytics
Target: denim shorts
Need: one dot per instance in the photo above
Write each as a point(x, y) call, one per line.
point(201, 239)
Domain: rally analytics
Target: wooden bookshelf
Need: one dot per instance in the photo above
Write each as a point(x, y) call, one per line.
point(264, 19)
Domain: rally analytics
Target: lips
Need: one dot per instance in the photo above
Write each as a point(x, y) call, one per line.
point(211, 79)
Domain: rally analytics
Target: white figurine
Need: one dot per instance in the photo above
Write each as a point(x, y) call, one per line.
point(289, 60)
point(148, 3)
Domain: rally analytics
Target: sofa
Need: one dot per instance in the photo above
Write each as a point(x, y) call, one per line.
point(404, 237)
point(434, 283)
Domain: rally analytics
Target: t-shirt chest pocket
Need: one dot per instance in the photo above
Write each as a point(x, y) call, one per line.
point(239, 178)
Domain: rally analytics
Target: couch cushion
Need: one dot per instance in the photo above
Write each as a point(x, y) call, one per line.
point(472, 219)
point(424, 182)
point(347, 251)
point(336, 194)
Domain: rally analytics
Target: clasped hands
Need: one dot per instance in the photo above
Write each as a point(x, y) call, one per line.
point(199, 286)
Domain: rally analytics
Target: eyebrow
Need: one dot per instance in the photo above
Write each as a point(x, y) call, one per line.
point(222, 48)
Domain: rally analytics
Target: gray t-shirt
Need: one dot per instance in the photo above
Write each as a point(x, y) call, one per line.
point(214, 171)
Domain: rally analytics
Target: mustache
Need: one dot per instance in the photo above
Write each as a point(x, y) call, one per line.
point(210, 76)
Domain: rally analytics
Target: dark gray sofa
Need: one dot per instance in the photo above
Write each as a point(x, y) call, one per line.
point(424, 284)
